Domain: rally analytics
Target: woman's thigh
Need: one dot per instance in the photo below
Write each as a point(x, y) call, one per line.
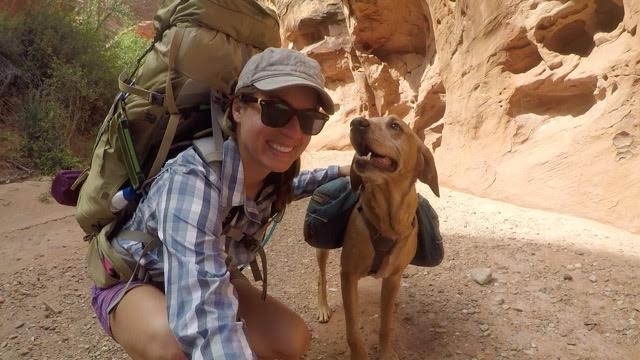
point(273, 330)
point(140, 325)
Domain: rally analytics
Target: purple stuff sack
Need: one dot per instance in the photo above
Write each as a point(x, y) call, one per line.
point(61, 187)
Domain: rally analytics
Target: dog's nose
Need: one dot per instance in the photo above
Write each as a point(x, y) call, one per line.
point(359, 123)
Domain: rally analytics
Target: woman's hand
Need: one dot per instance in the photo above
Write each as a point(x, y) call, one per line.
point(344, 170)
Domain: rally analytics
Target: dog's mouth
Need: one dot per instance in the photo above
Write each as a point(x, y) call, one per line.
point(367, 158)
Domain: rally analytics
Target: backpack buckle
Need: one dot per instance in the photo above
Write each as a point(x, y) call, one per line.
point(250, 243)
point(156, 99)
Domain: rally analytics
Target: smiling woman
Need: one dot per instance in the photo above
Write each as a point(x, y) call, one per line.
point(192, 301)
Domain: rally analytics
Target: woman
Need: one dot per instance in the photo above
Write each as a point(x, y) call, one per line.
point(190, 304)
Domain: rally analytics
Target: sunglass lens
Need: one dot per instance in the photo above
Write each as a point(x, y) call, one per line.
point(275, 114)
point(312, 122)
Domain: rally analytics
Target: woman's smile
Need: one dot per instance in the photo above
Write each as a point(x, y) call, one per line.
point(280, 148)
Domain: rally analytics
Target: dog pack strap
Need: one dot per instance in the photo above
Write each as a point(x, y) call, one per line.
point(382, 245)
point(170, 103)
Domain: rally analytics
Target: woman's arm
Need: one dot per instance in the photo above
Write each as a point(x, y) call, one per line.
point(201, 301)
point(308, 180)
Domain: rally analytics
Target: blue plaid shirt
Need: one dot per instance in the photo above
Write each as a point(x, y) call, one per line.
point(184, 209)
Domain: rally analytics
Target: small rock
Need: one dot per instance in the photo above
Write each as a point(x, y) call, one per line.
point(481, 276)
point(577, 266)
point(567, 277)
point(590, 324)
point(498, 301)
point(19, 324)
point(484, 327)
point(51, 308)
point(593, 278)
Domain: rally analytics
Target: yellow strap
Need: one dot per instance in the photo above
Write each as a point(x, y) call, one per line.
point(170, 103)
point(151, 96)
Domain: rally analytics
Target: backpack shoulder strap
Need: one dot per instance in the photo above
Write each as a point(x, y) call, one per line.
point(210, 148)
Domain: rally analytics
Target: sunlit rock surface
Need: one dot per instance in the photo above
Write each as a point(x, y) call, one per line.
point(531, 102)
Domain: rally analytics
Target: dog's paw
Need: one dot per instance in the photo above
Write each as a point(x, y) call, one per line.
point(359, 353)
point(324, 313)
point(388, 355)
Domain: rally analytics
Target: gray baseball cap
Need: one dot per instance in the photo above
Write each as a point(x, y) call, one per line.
point(276, 68)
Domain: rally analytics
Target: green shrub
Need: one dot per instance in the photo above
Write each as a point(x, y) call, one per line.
point(59, 64)
point(127, 47)
point(44, 144)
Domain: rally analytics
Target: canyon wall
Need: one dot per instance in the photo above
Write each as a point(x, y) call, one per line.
point(527, 101)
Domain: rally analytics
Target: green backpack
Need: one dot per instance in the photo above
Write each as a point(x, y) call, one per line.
point(200, 46)
point(169, 100)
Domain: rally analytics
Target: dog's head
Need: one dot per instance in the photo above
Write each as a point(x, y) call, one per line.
point(388, 150)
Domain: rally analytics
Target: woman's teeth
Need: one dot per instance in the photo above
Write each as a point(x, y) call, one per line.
point(284, 149)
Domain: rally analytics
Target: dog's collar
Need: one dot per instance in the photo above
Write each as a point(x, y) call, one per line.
point(382, 245)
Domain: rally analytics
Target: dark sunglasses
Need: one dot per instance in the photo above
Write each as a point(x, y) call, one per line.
point(277, 114)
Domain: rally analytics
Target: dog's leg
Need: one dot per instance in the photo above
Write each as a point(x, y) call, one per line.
point(390, 286)
point(324, 312)
point(349, 283)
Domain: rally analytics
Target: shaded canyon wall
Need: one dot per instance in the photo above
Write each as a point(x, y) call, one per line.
point(528, 101)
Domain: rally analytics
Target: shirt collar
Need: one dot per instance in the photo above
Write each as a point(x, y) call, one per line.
point(233, 191)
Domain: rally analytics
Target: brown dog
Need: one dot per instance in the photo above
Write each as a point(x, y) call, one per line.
point(381, 235)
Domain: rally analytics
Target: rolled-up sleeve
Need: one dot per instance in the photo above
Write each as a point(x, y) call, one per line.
point(307, 181)
point(201, 302)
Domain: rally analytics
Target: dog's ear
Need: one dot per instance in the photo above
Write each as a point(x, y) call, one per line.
point(354, 179)
point(426, 168)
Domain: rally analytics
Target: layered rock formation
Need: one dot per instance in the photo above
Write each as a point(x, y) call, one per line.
point(528, 101)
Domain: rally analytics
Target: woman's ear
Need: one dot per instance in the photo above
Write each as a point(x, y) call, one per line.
point(236, 109)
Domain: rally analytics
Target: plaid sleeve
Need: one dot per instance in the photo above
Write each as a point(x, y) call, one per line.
point(307, 181)
point(201, 302)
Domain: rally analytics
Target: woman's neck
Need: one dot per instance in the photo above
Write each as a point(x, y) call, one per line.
point(253, 180)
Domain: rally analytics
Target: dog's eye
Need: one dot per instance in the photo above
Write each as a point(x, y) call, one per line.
point(394, 126)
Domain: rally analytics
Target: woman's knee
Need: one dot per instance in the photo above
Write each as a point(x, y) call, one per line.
point(157, 343)
point(299, 340)
point(164, 350)
point(140, 325)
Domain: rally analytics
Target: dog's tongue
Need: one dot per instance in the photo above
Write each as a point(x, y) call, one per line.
point(381, 162)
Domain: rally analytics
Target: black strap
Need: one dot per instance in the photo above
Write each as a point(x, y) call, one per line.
point(226, 223)
point(382, 245)
point(253, 246)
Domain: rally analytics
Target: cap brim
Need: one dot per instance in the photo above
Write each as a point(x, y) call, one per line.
point(280, 82)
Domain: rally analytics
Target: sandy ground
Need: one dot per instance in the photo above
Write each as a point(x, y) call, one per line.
point(563, 288)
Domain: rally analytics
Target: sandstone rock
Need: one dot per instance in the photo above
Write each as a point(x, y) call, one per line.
point(530, 102)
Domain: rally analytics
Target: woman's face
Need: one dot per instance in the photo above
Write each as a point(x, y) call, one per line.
point(265, 149)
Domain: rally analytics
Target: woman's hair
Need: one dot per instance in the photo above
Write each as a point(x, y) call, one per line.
point(283, 181)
